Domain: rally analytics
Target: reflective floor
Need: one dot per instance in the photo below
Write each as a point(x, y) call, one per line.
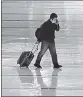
point(19, 22)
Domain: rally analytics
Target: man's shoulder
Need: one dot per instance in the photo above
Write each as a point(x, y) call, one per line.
point(45, 23)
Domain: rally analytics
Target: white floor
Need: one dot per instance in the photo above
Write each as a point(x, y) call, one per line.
point(67, 81)
point(47, 81)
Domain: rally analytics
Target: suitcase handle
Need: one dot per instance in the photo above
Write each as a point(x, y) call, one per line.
point(36, 47)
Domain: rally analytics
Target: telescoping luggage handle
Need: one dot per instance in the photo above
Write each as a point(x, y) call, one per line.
point(34, 47)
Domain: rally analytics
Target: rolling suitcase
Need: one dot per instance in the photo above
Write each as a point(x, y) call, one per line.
point(26, 57)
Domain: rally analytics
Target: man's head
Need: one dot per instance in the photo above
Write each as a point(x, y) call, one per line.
point(53, 17)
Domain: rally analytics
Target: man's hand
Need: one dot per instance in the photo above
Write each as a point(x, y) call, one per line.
point(57, 27)
point(37, 42)
point(57, 22)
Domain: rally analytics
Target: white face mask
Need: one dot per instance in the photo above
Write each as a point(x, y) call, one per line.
point(54, 20)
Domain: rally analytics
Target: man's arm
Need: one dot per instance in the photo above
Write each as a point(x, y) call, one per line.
point(57, 25)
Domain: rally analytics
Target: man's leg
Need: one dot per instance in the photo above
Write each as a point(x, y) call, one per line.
point(44, 47)
point(52, 50)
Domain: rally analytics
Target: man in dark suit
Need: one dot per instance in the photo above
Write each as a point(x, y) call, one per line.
point(47, 35)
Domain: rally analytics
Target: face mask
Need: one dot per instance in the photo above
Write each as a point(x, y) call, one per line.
point(54, 20)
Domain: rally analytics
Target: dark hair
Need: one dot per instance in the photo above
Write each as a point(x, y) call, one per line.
point(53, 15)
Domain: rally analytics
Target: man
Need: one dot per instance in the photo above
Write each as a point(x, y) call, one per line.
point(47, 36)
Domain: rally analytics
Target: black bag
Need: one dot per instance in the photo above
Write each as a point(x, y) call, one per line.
point(26, 57)
point(37, 34)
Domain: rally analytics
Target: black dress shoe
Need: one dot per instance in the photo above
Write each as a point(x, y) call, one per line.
point(37, 65)
point(57, 66)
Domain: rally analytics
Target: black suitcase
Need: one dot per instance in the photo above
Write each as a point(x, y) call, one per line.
point(26, 57)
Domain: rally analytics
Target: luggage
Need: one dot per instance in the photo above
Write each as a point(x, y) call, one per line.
point(26, 57)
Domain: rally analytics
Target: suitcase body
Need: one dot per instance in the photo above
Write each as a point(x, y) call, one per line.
point(25, 58)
